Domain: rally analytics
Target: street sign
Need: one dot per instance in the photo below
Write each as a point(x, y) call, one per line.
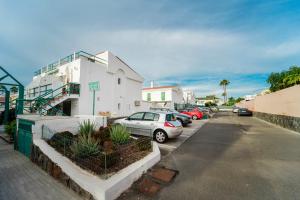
point(94, 86)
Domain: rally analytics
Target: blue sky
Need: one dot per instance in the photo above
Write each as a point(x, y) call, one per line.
point(191, 43)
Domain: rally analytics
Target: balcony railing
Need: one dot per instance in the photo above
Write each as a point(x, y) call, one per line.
point(53, 66)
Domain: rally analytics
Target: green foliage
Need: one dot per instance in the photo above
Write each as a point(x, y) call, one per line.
point(209, 104)
point(85, 146)
point(10, 128)
point(224, 82)
point(14, 89)
point(231, 101)
point(284, 79)
point(144, 143)
point(61, 140)
point(86, 127)
point(239, 99)
point(119, 134)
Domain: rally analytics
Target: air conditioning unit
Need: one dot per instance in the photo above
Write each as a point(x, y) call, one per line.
point(137, 103)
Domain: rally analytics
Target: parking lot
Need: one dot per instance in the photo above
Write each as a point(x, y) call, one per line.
point(188, 131)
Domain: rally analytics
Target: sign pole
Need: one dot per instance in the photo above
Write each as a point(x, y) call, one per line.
point(94, 86)
point(93, 102)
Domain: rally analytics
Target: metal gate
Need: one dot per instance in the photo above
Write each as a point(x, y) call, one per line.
point(25, 137)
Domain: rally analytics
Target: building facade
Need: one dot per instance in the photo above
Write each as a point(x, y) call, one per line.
point(189, 97)
point(163, 96)
point(106, 84)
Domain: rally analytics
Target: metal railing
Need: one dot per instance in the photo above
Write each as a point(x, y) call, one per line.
point(42, 102)
point(107, 161)
point(70, 58)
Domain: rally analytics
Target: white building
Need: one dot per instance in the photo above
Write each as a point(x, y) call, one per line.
point(189, 97)
point(163, 96)
point(119, 85)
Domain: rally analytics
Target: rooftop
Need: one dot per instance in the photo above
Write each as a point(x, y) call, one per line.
point(159, 87)
point(53, 66)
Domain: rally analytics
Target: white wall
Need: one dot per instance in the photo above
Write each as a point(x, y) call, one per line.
point(110, 94)
point(156, 94)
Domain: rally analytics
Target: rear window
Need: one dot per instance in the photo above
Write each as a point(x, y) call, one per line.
point(170, 117)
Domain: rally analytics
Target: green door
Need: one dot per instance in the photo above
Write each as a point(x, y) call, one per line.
point(25, 137)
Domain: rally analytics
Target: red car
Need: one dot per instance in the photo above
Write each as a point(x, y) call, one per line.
point(195, 113)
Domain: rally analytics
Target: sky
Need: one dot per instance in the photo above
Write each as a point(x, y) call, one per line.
point(195, 44)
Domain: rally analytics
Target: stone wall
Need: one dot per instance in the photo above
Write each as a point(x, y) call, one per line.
point(40, 159)
point(289, 122)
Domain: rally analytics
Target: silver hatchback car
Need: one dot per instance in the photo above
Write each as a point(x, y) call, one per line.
point(159, 125)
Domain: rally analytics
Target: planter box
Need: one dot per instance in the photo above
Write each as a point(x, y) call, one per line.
point(88, 184)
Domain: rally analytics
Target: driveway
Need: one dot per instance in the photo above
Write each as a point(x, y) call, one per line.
point(188, 131)
point(232, 158)
point(21, 179)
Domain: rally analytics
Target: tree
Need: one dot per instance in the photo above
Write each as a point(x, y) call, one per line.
point(224, 83)
point(284, 79)
point(239, 99)
point(14, 89)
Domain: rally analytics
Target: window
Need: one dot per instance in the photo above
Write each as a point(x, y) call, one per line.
point(163, 96)
point(149, 97)
point(119, 81)
point(34, 92)
point(151, 117)
point(119, 106)
point(137, 116)
point(44, 89)
point(170, 117)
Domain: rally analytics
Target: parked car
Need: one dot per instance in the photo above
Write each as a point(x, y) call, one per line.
point(183, 118)
point(206, 111)
point(195, 113)
point(244, 112)
point(235, 109)
point(159, 125)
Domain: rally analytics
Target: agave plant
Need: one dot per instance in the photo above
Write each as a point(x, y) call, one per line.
point(119, 134)
point(86, 127)
point(85, 146)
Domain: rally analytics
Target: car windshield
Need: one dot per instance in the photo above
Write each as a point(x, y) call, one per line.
point(170, 117)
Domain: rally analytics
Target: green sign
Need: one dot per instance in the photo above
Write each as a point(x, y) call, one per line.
point(94, 86)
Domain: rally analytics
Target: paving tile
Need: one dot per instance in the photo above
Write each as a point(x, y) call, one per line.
point(148, 187)
point(163, 174)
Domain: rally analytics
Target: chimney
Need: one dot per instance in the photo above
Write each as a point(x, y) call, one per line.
point(152, 84)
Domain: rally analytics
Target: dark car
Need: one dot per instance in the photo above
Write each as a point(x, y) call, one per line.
point(244, 112)
point(183, 118)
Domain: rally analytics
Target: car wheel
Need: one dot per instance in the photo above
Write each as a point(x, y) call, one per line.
point(194, 117)
point(160, 136)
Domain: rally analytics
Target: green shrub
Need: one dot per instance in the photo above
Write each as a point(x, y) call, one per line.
point(11, 128)
point(85, 146)
point(119, 134)
point(61, 140)
point(144, 143)
point(86, 127)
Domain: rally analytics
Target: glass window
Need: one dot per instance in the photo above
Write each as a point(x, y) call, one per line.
point(119, 81)
point(163, 96)
point(149, 97)
point(119, 106)
point(170, 117)
point(151, 117)
point(137, 116)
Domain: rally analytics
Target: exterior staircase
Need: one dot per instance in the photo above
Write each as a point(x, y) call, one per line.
point(46, 104)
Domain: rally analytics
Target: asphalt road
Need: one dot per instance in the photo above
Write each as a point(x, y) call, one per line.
point(234, 157)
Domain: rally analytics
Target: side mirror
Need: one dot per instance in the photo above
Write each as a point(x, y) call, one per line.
point(128, 118)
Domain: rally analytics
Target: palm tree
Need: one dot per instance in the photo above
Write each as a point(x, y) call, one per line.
point(14, 89)
point(224, 84)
